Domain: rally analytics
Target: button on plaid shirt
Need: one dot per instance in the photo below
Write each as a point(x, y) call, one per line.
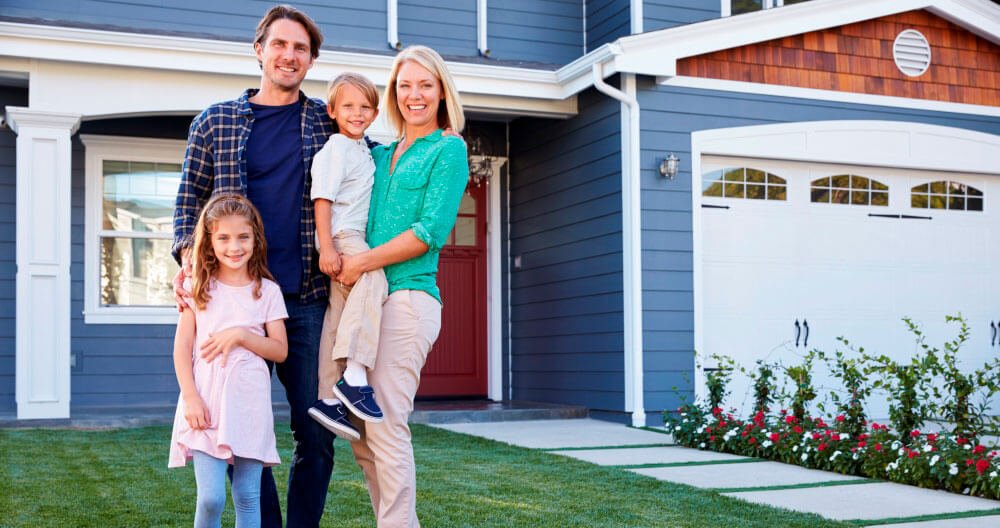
point(215, 162)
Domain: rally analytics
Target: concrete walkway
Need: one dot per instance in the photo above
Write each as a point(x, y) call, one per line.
point(831, 495)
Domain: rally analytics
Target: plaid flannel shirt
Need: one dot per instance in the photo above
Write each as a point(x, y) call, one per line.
point(215, 162)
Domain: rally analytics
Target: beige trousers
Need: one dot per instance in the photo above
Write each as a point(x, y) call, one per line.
point(411, 320)
point(353, 317)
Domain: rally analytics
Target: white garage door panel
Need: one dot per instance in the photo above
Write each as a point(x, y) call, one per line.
point(848, 273)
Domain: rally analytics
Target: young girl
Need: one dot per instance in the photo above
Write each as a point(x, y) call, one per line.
point(224, 411)
point(342, 176)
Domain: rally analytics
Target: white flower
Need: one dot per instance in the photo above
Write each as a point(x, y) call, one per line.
point(766, 443)
point(934, 459)
point(993, 474)
point(896, 444)
point(900, 452)
point(845, 436)
point(678, 428)
point(953, 469)
point(965, 491)
point(684, 420)
point(805, 456)
point(928, 448)
point(834, 456)
point(702, 445)
point(967, 447)
point(795, 448)
point(684, 414)
point(854, 456)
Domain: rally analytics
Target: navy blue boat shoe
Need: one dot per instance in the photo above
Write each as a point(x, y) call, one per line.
point(360, 400)
point(334, 417)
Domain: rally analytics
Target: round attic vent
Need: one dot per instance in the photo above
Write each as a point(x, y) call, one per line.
point(912, 53)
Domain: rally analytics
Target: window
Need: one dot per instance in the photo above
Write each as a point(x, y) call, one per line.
point(464, 232)
point(130, 191)
point(737, 7)
point(946, 195)
point(849, 189)
point(744, 182)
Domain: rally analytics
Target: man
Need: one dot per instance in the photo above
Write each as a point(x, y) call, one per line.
point(261, 145)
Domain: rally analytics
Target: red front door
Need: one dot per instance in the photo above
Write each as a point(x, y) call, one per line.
point(456, 365)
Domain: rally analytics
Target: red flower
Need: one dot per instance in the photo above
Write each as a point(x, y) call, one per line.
point(835, 436)
point(789, 420)
point(961, 441)
point(982, 466)
point(915, 433)
point(716, 411)
point(878, 446)
point(968, 461)
point(711, 438)
point(913, 454)
point(840, 418)
point(821, 446)
point(797, 429)
point(722, 424)
point(784, 411)
point(775, 437)
point(862, 443)
point(931, 438)
point(978, 449)
point(752, 440)
point(862, 436)
point(744, 433)
point(708, 429)
point(816, 436)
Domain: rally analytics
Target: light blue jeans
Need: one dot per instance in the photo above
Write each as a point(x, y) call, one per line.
point(210, 474)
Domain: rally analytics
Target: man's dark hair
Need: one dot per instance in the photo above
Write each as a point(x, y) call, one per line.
point(290, 13)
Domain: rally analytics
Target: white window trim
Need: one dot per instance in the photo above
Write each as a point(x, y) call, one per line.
point(98, 149)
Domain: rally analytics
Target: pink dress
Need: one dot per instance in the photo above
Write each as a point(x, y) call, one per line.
point(238, 396)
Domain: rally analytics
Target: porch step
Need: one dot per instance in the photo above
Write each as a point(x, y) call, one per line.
point(473, 411)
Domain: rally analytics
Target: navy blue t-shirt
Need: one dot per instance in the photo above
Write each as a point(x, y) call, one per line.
point(275, 181)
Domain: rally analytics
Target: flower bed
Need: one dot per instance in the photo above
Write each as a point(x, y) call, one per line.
point(937, 461)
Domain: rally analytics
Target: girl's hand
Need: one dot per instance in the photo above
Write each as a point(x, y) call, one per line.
point(222, 343)
point(350, 270)
point(196, 413)
point(329, 263)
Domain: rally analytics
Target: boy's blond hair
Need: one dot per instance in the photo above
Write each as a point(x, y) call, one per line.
point(362, 83)
point(450, 112)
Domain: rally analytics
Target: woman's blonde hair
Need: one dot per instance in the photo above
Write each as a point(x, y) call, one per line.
point(203, 261)
point(450, 112)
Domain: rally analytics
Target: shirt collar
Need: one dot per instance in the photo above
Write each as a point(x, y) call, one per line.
point(244, 100)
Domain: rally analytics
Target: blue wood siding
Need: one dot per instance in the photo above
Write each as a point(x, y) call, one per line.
point(544, 31)
point(344, 23)
point(566, 228)
point(607, 20)
point(661, 14)
point(448, 26)
point(530, 31)
point(8, 269)
point(669, 116)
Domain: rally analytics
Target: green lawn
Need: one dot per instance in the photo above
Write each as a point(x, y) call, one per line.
point(119, 478)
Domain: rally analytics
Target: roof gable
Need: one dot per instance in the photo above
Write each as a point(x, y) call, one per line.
point(858, 57)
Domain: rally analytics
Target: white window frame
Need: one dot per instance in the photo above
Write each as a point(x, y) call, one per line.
point(727, 6)
point(117, 148)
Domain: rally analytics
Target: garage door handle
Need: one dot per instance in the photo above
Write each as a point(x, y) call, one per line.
point(805, 324)
point(884, 215)
point(916, 217)
point(713, 206)
point(798, 331)
point(994, 338)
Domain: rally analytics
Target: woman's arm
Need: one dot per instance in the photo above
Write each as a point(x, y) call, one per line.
point(402, 247)
point(195, 411)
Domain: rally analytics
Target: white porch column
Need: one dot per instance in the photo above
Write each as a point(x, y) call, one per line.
point(43, 258)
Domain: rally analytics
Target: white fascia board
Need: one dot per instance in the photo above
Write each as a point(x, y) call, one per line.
point(191, 55)
point(816, 94)
point(656, 53)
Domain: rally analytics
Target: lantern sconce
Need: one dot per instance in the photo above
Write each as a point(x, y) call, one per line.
point(669, 166)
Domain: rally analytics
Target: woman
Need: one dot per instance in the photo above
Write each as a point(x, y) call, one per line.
point(419, 182)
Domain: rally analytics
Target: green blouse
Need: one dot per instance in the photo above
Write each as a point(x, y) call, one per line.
point(421, 194)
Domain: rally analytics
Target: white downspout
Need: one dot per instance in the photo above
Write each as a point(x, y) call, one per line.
point(392, 24)
point(481, 26)
point(631, 240)
point(636, 17)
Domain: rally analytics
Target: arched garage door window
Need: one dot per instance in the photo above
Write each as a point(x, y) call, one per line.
point(744, 182)
point(946, 195)
point(849, 189)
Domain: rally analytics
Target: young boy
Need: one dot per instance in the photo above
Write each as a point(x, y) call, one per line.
point(342, 177)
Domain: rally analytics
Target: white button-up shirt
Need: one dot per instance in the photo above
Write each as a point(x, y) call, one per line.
point(343, 172)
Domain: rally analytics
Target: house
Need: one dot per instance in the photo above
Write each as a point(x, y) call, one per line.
point(653, 178)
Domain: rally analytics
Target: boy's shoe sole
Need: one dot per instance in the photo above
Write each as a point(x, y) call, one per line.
point(354, 409)
point(335, 427)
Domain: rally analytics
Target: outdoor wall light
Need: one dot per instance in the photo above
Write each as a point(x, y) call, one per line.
point(669, 166)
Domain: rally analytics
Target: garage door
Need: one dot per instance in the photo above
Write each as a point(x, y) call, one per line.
point(794, 255)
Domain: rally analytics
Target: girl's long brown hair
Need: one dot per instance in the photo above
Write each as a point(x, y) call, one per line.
point(205, 265)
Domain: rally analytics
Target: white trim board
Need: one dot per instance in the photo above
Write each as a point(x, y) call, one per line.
point(903, 145)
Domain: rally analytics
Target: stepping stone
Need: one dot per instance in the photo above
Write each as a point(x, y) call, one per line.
point(877, 500)
point(555, 434)
point(967, 522)
point(634, 456)
point(756, 475)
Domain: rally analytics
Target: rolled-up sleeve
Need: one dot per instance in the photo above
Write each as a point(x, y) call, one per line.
point(445, 186)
